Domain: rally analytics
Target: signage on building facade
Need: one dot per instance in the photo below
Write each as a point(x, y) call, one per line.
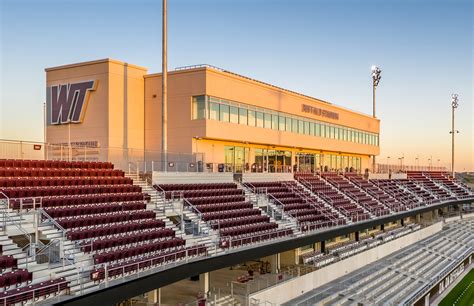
point(319, 112)
point(66, 103)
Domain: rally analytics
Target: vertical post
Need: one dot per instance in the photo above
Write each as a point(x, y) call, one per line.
point(44, 132)
point(164, 93)
point(454, 105)
point(452, 140)
point(69, 141)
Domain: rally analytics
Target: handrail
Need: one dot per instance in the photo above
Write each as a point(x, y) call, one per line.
point(6, 218)
point(311, 202)
point(63, 233)
point(236, 238)
point(193, 207)
point(48, 217)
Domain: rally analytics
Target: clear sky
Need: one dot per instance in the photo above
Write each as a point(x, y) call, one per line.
point(322, 48)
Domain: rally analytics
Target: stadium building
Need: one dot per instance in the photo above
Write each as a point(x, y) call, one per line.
point(264, 197)
point(217, 120)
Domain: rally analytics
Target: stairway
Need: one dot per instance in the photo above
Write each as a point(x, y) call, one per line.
point(372, 216)
point(160, 206)
point(327, 205)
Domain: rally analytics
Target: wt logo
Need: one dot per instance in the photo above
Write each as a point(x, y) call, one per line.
point(67, 103)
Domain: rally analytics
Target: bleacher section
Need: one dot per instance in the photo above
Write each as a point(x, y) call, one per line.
point(325, 187)
point(395, 279)
point(307, 210)
point(109, 226)
point(98, 209)
point(341, 250)
point(224, 207)
point(424, 182)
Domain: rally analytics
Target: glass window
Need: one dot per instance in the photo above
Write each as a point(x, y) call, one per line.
point(306, 128)
point(317, 130)
point(213, 111)
point(275, 122)
point(234, 114)
point(268, 120)
point(199, 107)
point(243, 116)
point(281, 123)
point(224, 113)
point(295, 125)
point(260, 119)
point(289, 127)
point(300, 127)
point(251, 118)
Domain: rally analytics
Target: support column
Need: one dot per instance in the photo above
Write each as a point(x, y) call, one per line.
point(402, 222)
point(427, 299)
point(382, 227)
point(204, 283)
point(418, 218)
point(356, 236)
point(154, 296)
point(323, 246)
point(275, 263)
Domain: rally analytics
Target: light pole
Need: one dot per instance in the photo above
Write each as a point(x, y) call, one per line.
point(454, 105)
point(401, 162)
point(45, 123)
point(376, 76)
point(388, 167)
point(164, 91)
point(416, 162)
point(437, 164)
point(429, 163)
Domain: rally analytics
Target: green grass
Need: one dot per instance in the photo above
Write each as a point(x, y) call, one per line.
point(468, 297)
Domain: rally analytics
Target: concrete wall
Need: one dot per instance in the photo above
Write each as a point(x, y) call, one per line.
point(114, 117)
point(266, 177)
point(295, 287)
point(194, 178)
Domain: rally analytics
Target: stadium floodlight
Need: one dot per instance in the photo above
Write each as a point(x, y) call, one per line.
point(454, 105)
point(376, 76)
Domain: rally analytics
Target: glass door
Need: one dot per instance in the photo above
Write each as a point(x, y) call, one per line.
point(239, 159)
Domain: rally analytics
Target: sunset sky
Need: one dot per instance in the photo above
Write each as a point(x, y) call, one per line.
point(320, 48)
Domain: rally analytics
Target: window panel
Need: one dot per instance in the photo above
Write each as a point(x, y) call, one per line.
point(306, 128)
point(224, 113)
point(300, 127)
point(260, 119)
point(251, 118)
point(275, 122)
point(281, 123)
point(289, 127)
point(243, 116)
point(213, 111)
point(199, 107)
point(234, 114)
point(267, 120)
point(295, 126)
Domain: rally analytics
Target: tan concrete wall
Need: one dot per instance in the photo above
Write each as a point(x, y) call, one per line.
point(181, 129)
point(95, 124)
point(115, 112)
point(295, 287)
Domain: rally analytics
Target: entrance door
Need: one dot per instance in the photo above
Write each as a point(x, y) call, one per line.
point(239, 160)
